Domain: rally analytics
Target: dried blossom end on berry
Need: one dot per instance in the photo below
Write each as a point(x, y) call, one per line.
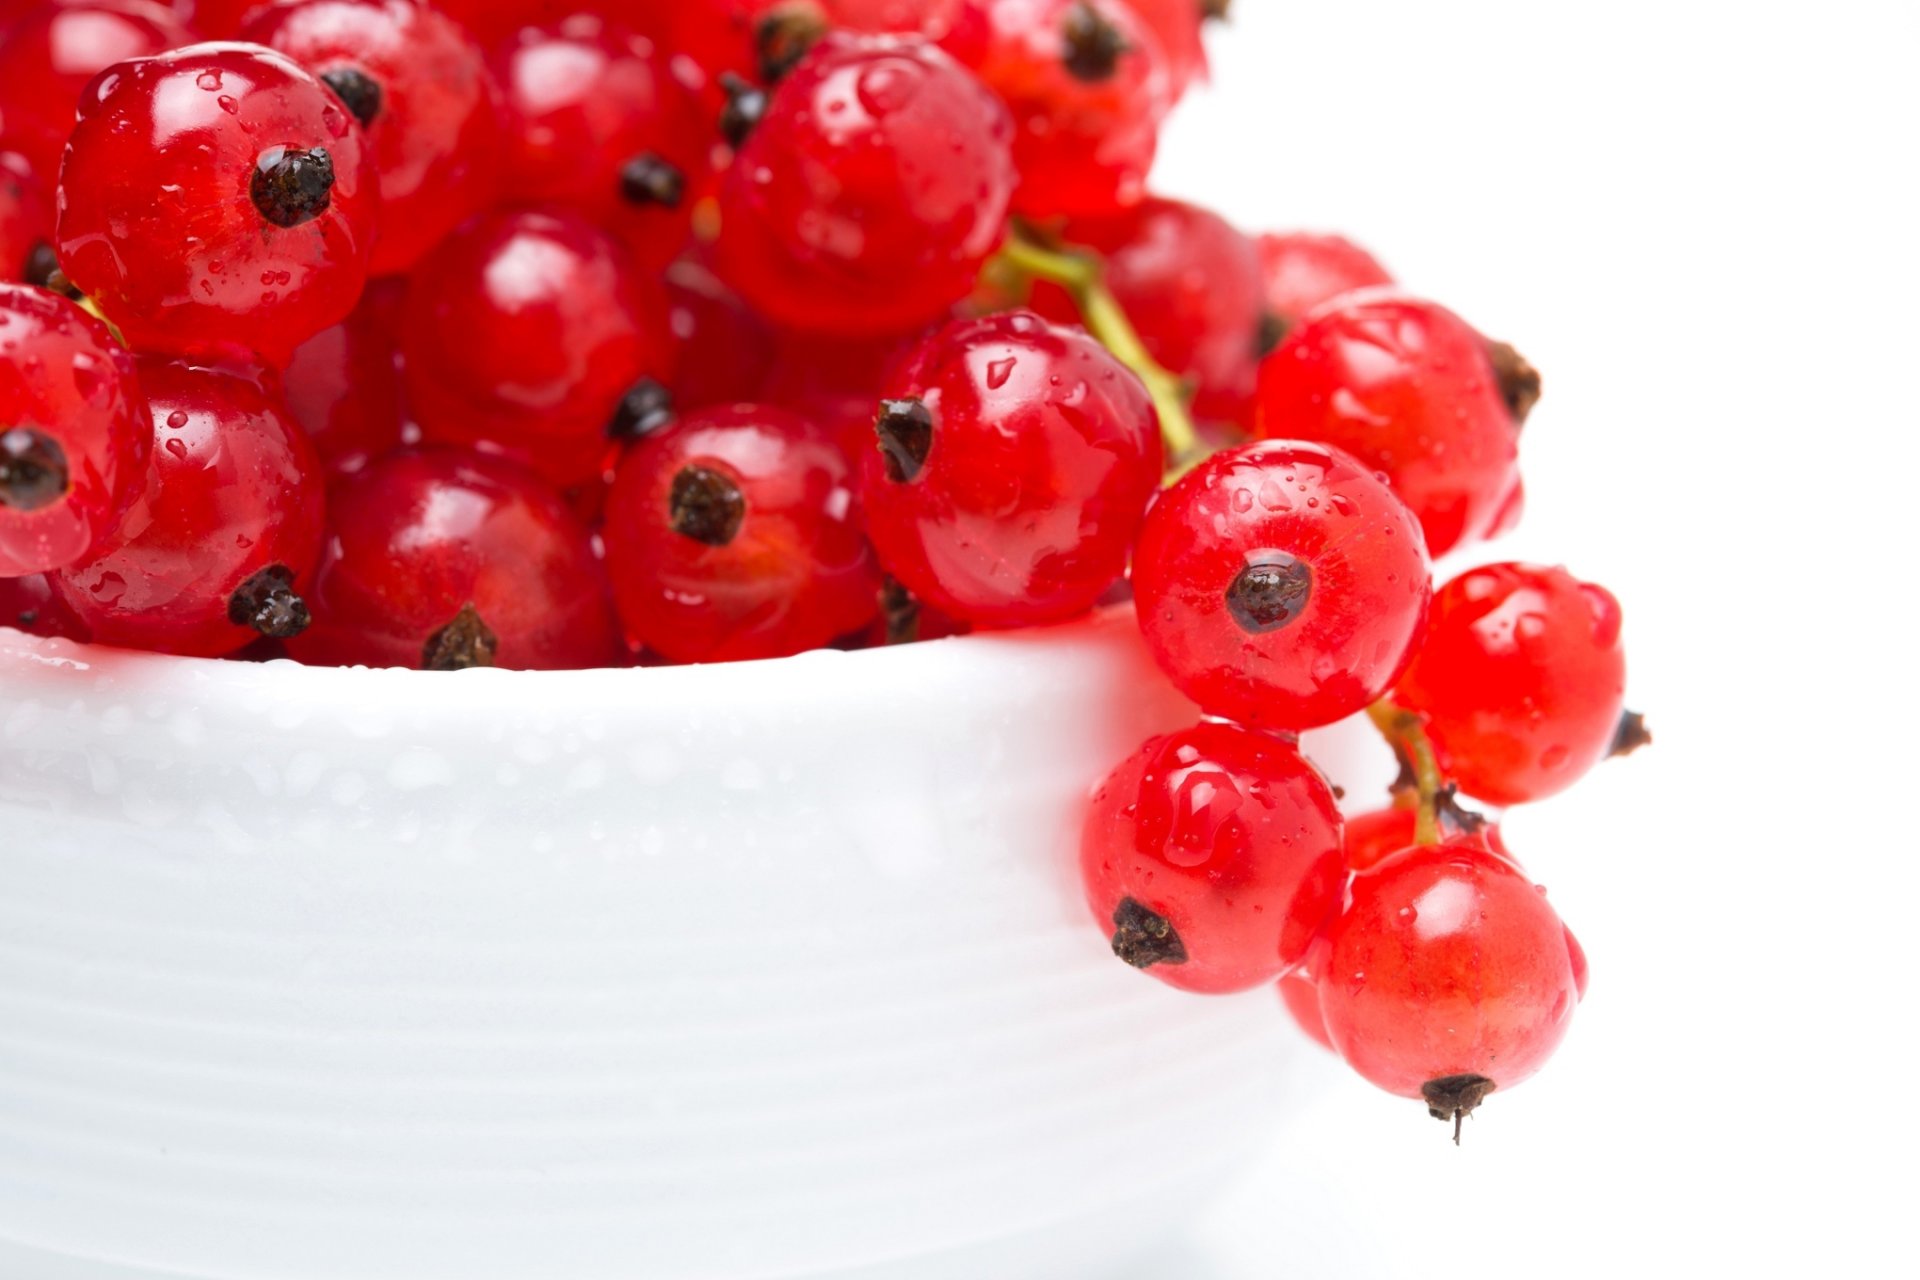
point(1632, 735)
point(1094, 45)
point(645, 409)
point(1519, 380)
point(1269, 593)
point(291, 186)
point(1216, 10)
point(706, 505)
point(33, 470)
point(784, 35)
point(358, 91)
point(463, 643)
point(746, 105)
point(266, 602)
point(42, 268)
point(649, 179)
point(1273, 331)
point(1143, 938)
point(900, 611)
point(905, 428)
point(1455, 1098)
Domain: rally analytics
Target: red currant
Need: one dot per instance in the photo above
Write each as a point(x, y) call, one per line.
point(418, 84)
point(1375, 836)
point(1520, 679)
point(443, 559)
point(217, 196)
point(1213, 854)
point(1410, 389)
point(596, 120)
point(1281, 584)
point(74, 432)
point(1447, 975)
point(1015, 461)
point(733, 534)
point(1088, 85)
point(1176, 25)
point(1301, 271)
point(217, 19)
point(343, 386)
point(26, 223)
point(524, 331)
point(48, 55)
point(29, 604)
point(870, 194)
point(1300, 996)
point(725, 350)
point(213, 554)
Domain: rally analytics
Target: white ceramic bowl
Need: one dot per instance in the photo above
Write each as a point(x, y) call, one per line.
point(765, 970)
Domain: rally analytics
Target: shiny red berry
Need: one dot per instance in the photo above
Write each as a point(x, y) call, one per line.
point(1176, 25)
point(1088, 85)
point(1520, 679)
point(442, 559)
point(49, 54)
point(597, 120)
point(733, 534)
point(1300, 996)
point(217, 196)
point(74, 432)
point(524, 331)
point(26, 223)
point(1447, 976)
point(1015, 461)
point(725, 351)
point(1412, 390)
point(1281, 585)
point(870, 194)
point(1213, 857)
point(418, 84)
point(1300, 271)
point(216, 551)
point(29, 604)
point(343, 386)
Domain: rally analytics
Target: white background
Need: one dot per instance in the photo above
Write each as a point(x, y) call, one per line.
point(1699, 219)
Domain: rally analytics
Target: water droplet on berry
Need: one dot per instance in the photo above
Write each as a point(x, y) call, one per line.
point(108, 588)
point(177, 419)
point(335, 121)
point(209, 80)
point(1554, 758)
point(998, 371)
point(178, 448)
point(1242, 501)
point(89, 379)
point(103, 87)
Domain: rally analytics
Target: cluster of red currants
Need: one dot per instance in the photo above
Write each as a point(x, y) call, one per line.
point(542, 334)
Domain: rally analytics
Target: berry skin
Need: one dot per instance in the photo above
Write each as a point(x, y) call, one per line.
point(523, 332)
point(1300, 996)
point(1521, 680)
point(26, 222)
point(1088, 85)
point(1374, 837)
point(1191, 284)
point(74, 432)
point(1412, 390)
point(343, 385)
point(1281, 585)
point(1300, 271)
point(1447, 975)
point(443, 559)
point(1213, 856)
point(48, 56)
point(418, 84)
point(597, 121)
point(725, 350)
point(870, 194)
point(733, 534)
point(215, 552)
point(1176, 25)
point(28, 604)
point(1015, 461)
point(217, 196)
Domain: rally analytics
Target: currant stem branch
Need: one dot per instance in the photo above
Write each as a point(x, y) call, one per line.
point(1080, 275)
point(1407, 735)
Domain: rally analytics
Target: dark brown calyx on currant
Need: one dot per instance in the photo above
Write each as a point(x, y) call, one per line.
point(1454, 1098)
point(901, 611)
point(1272, 331)
point(783, 37)
point(1631, 735)
point(358, 91)
point(706, 505)
point(746, 105)
point(905, 428)
point(645, 409)
point(1215, 10)
point(42, 269)
point(648, 179)
point(1094, 44)
point(1269, 593)
point(1144, 939)
point(33, 470)
point(291, 186)
point(1455, 818)
point(266, 602)
point(463, 643)
point(1519, 381)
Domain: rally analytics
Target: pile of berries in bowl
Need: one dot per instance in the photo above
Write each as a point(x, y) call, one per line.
point(550, 337)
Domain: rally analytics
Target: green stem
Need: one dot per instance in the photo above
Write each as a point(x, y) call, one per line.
point(1080, 276)
point(1406, 733)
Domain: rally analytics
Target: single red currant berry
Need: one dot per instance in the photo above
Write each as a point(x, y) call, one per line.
point(29, 604)
point(870, 194)
point(1015, 462)
point(1301, 271)
point(343, 385)
point(442, 559)
point(1577, 956)
point(418, 83)
point(1300, 996)
point(217, 19)
point(214, 553)
point(596, 120)
point(259, 160)
point(725, 350)
point(26, 224)
point(1191, 284)
point(1447, 976)
point(1088, 85)
point(1521, 680)
point(733, 534)
point(1176, 24)
point(1412, 390)
point(1213, 856)
point(74, 432)
point(48, 55)
point(524, 331)
point(1281, 585)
